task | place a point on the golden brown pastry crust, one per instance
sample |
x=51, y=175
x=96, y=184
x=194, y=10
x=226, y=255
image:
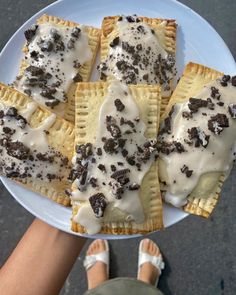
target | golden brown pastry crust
x=84, y=70
x=168, y=40
x=60, y=137
x=89, y=98
x=194, y=78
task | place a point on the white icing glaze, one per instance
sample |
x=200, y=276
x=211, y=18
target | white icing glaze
x=30, y=109
x=146, y=73
x=60, y=64
x=129, y=203
x=87, y=219
x=35, y=139
x=216, y=157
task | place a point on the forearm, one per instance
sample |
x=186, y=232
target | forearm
x=41, y=261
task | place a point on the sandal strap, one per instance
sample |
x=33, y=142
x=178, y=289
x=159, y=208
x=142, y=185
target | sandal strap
x=156, y=261
x=90, y=260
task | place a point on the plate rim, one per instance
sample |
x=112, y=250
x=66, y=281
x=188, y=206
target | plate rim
x=9, y=187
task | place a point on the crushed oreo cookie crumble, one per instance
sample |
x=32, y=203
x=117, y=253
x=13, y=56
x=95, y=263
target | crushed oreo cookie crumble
x=98, y=204
x=49, y=49
x=119, y=105
x=137, y=60
x=232, y=110
x=186, y=171
x=195, y=133
x=18, y=159
x=217, y=123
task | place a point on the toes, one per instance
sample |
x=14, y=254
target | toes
x=145, y=245
x=101, y=245
x=96, y=246
x=92, y=248
x=150, y=247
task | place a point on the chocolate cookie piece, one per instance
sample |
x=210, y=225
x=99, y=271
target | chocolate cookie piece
x=124, y=121
x=55, y=35
x=187, y=115
x=114, y=130
x=44, y=157
x=102, y=168
x=233, y=81
x=121, y=142
x=48, y=92
x=210, y=104
x=83, y=180
x=59, y=46
x=52, y=103
x=76, y=32
x=170, y=147
x=217, y=123
x=35, y=71
x=117, y=189
x=115, y=42
x=179, y=148
x=113, y=168
x=119, y=105
x=224, y=80
x=166, y=126
x=17, y=150
x=120, y=174
x=131, y=160
x=196, y=103
x=8, y=131
x=134, y=186
x=130, y=19
x=110, y=120
x=215, y=93
x=99, y=151
x=11, y=112
x=46, y=46
x=30, y=33
x=199, y=135
x=186, y=171
x=34, y=54
x=21, y=121
x=51, y=176
x=84, y=151
x=124, y=153
x=110, y=146
x=166, y=147
x=98, y=204
x=93, y=182
x=73, y=174
x=78, y=78
x=232, y=110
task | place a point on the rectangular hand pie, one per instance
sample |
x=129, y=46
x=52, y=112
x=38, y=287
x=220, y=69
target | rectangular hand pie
x=36, y=146
x=57, y=54
x=197, y=139
x=116, y=188
x=139, y=50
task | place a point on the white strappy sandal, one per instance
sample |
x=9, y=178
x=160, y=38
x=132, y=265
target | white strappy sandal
x=104, y=257
x=156, y=261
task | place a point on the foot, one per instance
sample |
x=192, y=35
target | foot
x=149, y=273
x=97, y=274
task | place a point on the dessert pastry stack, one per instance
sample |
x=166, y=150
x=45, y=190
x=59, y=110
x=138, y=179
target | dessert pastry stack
x=114, y=149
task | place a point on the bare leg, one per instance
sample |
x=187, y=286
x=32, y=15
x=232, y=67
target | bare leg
x=97, y=274
x=41, y=261
x=149, y=273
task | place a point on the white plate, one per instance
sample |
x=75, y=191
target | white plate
x=196, y=41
